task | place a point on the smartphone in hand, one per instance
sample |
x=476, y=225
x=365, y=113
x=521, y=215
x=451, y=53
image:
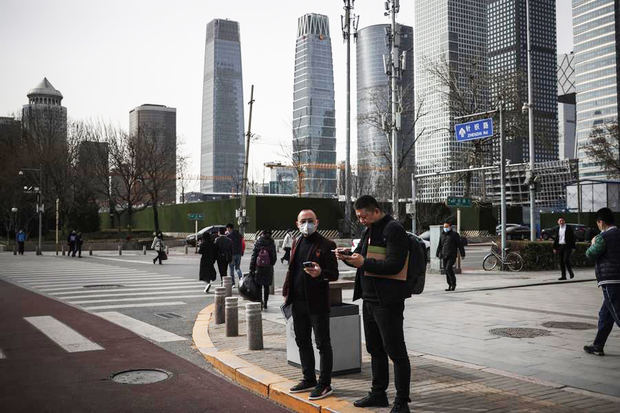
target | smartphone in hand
x=308, y=264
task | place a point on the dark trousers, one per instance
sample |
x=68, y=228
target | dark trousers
x=222, y=267
x=608, y=314
x=383, y=329
x=71, y=249
x=20, y=247
x=160, y=255
x=265, y=293
x=564, y=254
x=304, y=323
x=448, y=266
x=287, y=255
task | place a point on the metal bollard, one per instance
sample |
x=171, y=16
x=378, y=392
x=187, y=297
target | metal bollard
x=186, y=249
x=14, y=250
x=228, y=285
x=120, y=249
x=254, y=322
x=90, y=250
x=232, y=317
x=220, y=295
x=144, y=250
x=63, y=250
x=167, y=251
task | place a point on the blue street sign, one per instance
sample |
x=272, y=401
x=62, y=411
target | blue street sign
x=476, y=129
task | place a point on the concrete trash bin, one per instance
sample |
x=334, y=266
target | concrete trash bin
x=346, y=339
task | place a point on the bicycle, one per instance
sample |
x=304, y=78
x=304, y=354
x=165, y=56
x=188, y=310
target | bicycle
x=512, y=260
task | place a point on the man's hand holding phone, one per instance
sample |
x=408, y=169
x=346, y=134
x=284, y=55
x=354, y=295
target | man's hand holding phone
x=312, y=268
x=346, y=255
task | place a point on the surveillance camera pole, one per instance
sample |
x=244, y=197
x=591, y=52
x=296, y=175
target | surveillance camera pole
x=244, y=182
x=530, y=111
x=394, y=68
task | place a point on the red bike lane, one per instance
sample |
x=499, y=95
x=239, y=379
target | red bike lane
x=37, y=374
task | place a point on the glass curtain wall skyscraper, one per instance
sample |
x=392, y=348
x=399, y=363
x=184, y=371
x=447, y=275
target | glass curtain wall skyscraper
x=597, y=59
x=222, y=145
x=373, y=100
x=450, y=35
x=507, y=51
x=314, y=114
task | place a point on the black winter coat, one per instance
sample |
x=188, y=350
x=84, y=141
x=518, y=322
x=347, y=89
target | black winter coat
x=208, y=252
x=569, y=238
x=264, y=275
x=449, y=244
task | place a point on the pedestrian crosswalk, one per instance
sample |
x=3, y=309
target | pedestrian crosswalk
x=62, y=334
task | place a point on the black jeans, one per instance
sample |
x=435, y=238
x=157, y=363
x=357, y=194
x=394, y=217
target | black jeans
x=304, y=323
x=159, y=256
x=564, y=254
x=20, y=247
x=265, y=294
x=448, y=264
x=383, y=329
x=222, y=266
x=608, y=314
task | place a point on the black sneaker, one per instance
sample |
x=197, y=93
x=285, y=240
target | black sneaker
x=302, y=386
x=372, y=400
x=592, y=349
x=320, y=392
x=400, y=406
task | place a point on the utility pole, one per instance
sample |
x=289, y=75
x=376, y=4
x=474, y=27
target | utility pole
x=241, y=213
x=347, y=21
x=393, y=69
x=502, y=181
x=530, y=111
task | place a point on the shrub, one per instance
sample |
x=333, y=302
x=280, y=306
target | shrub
x=539, y=255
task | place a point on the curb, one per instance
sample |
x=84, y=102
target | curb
x=257, y=379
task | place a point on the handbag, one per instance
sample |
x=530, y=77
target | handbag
x=287, y=310
x=164, y=256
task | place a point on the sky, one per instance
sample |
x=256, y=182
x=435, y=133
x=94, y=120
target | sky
x=107, y=57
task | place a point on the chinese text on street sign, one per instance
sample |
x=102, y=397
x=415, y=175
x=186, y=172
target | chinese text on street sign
x=476, y=129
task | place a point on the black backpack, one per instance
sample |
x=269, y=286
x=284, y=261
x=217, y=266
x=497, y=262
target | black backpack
x=416, y=271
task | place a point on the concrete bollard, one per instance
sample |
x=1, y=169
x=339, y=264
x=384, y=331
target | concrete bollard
x=144, y=250
x=120, y=249
x=232, y=317
x=227, y=281
x=186, y=249
x=220, y=295
x=90, y=250
x=254, y=323
x=167, y=251
x=63, y=250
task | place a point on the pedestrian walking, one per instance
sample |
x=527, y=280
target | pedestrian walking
x=306, y=288
x=287, y=244
x=383, y=300
x=78, y=244
x=605, y=250
x=224, y=254
x=21, y=239
x=238, y=246
x=159, y=247
x=563, y=246
x=261, y=264
x=208, y=254
x=450, y=243
x=72, y=241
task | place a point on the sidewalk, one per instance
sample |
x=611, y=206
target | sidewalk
x=439, y=383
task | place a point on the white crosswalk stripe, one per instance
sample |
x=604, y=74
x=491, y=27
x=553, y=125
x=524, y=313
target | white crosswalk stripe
x=154, y=304
x=141, y=328
x=62, y=334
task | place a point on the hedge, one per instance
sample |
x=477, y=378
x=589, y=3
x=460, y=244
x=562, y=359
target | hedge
x=539, y=255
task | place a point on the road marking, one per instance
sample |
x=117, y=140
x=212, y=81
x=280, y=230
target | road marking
x=137, y=299
x=121, y=294
x=80, y=286
x=131, y=261
x=109, y=307
x=154, y=289
x=62, y=334
x=40, y=284
x=140, y=328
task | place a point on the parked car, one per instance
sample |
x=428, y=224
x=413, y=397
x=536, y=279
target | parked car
x=514, y=231
x=582, y=232
x=213, y=229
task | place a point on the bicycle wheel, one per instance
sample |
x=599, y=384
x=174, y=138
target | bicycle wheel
x=514, y=261
x=489, y=262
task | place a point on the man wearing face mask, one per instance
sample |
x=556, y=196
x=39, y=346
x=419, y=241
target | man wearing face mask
x=449, y=244
x=306, y=288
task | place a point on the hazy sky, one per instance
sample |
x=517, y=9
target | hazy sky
x=107, y=57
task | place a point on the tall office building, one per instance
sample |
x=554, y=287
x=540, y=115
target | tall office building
x=597, y=62
x=373, y=100
x=450, y=34
x=44, y=118
x=158, y=123
x=222, y=146
x=507, y=54
x=566, y=107
x=314, y=114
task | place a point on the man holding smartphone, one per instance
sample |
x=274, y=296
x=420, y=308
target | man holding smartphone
x=377, y=283
x=306, y=289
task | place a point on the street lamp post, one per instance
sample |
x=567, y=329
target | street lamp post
x=530, y=115
x=14, y=211
x=39, y=204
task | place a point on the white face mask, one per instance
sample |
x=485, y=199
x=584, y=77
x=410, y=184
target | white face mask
x=307, y=228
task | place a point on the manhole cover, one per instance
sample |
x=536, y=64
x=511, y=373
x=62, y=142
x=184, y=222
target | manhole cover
x=518, y=332
x=142, y=376
x=569, y=325
x=102, y=286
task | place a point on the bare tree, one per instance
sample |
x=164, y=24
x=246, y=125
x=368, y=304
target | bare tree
x=604, y=147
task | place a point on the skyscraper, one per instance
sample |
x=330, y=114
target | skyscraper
x=44, y=118
x=566, y=106
x=597, y=64
x=222, y=145
x=158, y=124
x=507, y=54
x=373, y=100
x=314, y=114
x=449, y=35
